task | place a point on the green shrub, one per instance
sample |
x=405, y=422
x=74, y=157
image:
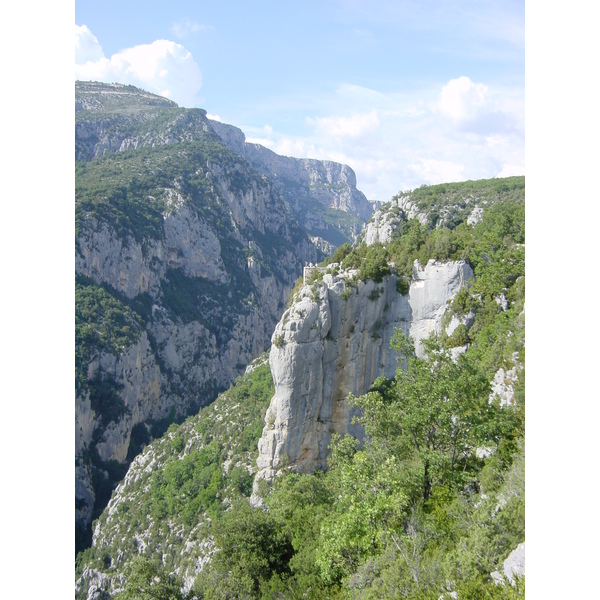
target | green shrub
x=340, y=253
x=103, y=322
x=374, y=295
x=374, y=265
x=402, y=285
x=459, y=337
x=178, y=444
x=241, y=480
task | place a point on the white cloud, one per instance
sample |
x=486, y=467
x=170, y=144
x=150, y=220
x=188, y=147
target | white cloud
x=358, y=98
x=184, y=28
x=263, y=136
x=402, y=139
x=473, y=108
x=163, y=67
x=214, y=118
x=495, y=141
x=461, y=99
x=87, y=47
x=291, y=147
x=438, y=171
x=262, y=141
x=338, y=127
x=511, y=170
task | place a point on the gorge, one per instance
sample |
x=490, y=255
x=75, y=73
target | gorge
x=216, y=384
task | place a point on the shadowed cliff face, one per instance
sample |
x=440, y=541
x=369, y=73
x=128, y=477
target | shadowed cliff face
x=335, y=340
x=185, y=258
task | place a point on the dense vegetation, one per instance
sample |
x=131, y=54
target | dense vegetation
x=128, y=189
x=448, y=204
x=103, y=321
x=493, y=247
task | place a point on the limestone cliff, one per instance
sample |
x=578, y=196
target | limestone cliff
x=332, y=340
x=335, y=340
x=315, y=189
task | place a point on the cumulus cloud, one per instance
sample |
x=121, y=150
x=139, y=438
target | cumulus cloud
x=451, y=131
x=163, y=67
x=293, y=147
x=461, y=99
x=262, y=141
x=263, y=136
x=472, y=108
x=339, y=127
x=511, y=171
x=438, y=171
x=87, y=47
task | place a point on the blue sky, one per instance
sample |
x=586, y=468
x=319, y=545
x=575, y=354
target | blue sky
x=406, y=93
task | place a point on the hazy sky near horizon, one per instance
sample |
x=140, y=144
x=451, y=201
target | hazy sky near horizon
x=405, y=92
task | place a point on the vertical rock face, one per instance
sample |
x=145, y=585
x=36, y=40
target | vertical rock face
x=430, y=289
x=313, y=187
x=136, y=371
x=383, y=223
x=387, y=220
x=335, y=340
x=134, y=267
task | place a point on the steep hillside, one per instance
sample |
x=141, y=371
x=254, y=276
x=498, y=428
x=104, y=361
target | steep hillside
x=185, y=257
x=173, y=489
x=443, y=206
x=424, y=498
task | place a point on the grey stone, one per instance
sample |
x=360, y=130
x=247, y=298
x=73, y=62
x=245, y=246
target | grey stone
x=335, y=340
x=303, y=181
x=513, y=566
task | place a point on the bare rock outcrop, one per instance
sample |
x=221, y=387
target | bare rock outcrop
x=503, y=383
x=134, y=267
x=513, y=566
x=335, y=340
